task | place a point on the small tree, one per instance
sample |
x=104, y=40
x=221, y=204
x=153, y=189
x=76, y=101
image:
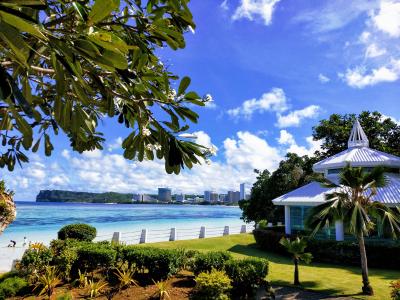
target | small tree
x=296, y=248
x=352, y=202
x=7, y=207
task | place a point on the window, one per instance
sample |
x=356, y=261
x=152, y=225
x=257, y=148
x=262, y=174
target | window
x=298, y=214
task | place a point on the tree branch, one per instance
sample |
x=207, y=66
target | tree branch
x=9, y=64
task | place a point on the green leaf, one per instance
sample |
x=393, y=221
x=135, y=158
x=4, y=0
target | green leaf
x=36, y=146
x=102, y=9
x=48, y=147
x=13, y=39
x=22, y=25
x=80, y=10
x=185, y=82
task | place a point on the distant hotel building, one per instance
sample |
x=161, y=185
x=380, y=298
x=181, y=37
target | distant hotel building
x=210, y=196
x=164, y=195
x=180, y=197
x=242, y=192
x=233, y=196
x=143, y=198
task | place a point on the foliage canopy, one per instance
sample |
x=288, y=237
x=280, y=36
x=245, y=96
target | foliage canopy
x=68, y=65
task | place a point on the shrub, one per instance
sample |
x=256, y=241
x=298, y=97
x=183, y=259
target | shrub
x=160, y=263
x=91, y=256
x=80, y=232
x=65, y=255
x=381, y=254
x=212, y=285
x=12, y=286
x=35, y=258
x=395, y=292
x=205, y=262
x=269, y=240
x=247, y=275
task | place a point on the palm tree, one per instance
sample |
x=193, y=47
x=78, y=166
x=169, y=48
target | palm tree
x=296, y=248
x=7, y=207
x=352, y=202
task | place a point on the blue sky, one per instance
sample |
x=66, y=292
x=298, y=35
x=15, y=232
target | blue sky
x=274, y=68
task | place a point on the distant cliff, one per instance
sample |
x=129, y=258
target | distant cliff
x=69, y=196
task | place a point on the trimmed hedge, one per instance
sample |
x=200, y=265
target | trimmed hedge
x=205, y=262
x=247, y=275
x=91, y=256
x=160, y=263
x=382, y=254
x=80, y=232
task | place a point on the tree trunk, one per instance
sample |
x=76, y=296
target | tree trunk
x=8, y=211
x=367, y=289
x=296, y=272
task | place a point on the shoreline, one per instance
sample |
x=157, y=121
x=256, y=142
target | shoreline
x=136, y=203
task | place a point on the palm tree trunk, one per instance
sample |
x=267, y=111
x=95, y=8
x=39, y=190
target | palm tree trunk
x=296, y=272
x=367, y=289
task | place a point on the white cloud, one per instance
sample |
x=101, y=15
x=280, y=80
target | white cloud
x=275, y=101
x=204, y=139
x=285, y=138
x=364, y=37
x=65, y=153
x=224, y=5
x=117, y=144
x=323, y=78
x=249, y=151
x=373, y=50
x=360, y=78
x=333, y=15
x=36, y=171
x=388, y=17
x=294, y=118
x=249, y=9
x=96, y=153
x=302, y=150
x=59, y=180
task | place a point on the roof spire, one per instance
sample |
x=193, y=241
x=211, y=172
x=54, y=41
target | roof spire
x=357, y=138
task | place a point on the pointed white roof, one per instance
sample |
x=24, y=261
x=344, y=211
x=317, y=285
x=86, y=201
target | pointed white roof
x=357, y=138
x=358, y=154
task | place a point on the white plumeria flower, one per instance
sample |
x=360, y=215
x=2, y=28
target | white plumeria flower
x=212, y=150
x=150, y=147
x=172, y=94
x=146, y=132
x=207, y=98
x=157, y=146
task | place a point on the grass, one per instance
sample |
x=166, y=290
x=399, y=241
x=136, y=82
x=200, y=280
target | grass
x=331, y=279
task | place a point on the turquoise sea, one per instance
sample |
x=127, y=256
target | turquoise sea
x=39, y=222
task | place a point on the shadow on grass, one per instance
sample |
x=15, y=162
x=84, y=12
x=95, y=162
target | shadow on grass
x=311, y=285
x=254, y=251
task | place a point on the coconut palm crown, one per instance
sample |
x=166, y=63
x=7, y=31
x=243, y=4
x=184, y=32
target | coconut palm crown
x=352, y=201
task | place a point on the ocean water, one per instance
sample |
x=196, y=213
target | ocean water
x=40, y=222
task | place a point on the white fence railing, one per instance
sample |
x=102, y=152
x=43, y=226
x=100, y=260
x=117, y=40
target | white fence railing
x=172, y=234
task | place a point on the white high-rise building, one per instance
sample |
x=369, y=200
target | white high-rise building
x=242, y=191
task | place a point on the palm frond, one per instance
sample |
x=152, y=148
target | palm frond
x=389, y=218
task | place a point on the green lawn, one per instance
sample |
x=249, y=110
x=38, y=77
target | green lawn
x=335, y=280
